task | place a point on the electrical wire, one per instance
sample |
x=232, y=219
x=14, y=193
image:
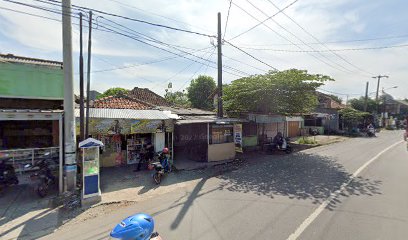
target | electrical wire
x=299, y=39
x=226, y=22
x=257, y=59
x=316, y=39
x=331, y=50
x=105, y=29
x=244, y=63
x=285, y=38
x=135, y=20
x=155, y=14
x=329, y=42
x=262, y=22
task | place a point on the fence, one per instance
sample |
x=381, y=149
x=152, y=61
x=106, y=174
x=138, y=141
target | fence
x=22, y=157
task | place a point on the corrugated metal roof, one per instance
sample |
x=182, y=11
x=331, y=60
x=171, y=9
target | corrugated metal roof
x=125, y=114
x=186, y=111
x=208, y=119
x=19, y=59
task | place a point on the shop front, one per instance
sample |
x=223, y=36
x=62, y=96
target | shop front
x=126, y=134
x=207, y=139
x=30, y=135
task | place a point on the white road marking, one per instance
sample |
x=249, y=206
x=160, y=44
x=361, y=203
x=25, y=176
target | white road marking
x=309, y=220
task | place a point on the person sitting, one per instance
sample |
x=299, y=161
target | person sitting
x=164, y=159
x=278, y=140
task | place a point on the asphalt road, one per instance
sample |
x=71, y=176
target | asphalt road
x=356, y=189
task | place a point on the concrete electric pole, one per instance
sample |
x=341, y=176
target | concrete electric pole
x=378, y=88
x=88, y=75
x=69, y=117
x=81, y=84
x=366, y=98
x=220, y=112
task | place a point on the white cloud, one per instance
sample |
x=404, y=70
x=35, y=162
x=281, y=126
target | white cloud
x=325, y=19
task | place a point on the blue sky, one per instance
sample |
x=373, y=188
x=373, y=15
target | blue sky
x=327, y=20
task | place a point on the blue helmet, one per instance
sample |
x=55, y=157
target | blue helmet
x=136, y=227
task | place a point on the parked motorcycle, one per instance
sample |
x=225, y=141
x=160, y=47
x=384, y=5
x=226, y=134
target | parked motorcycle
x=7, y=174
x=162, y=166
x=43, y=176
x=286, y=147
x=371, y=132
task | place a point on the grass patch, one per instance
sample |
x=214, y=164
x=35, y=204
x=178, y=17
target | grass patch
x=304, y=140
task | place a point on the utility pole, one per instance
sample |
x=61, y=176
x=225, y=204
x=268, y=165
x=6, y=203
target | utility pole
x=88, y=74
x=220, y=112
x=69, y=117
x=81, y=83
x=366, y=98
x=378, y=88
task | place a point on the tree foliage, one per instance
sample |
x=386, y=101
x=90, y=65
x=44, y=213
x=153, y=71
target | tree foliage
x=178, y=98
x=358, y=104
x=353, y=117
x=113, y=92
x=199, y=92
x=283, y=92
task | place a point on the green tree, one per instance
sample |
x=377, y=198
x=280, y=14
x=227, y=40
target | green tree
x=113, y=92
x=178, y=98
x=353, y=117
x=284, y=92
x=199, y=92
x=358, y=104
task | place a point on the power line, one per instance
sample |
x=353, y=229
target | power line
x=261, y=22
x=226, y=22
x=329, y=42
x=299, y=39
x=348, y=94
x=137, y=20
x=297, y=45
x=232, y=45
x=331, y=50
x=136, y=39
x=316, y=39
x=244, y=63
x=155, y=14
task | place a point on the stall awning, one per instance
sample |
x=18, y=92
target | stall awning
x=90, y=142
x=126, y=114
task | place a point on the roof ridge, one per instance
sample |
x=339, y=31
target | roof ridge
x=12, y=56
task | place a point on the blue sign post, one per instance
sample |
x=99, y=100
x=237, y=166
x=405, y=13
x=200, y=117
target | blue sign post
x=90, y=166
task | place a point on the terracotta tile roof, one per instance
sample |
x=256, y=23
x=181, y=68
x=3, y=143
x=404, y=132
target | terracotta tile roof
x=19, y=59
x=120, y=102
x=148, y=96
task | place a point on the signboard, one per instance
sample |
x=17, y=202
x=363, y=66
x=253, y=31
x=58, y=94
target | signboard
x=31, y=81
x=238, y=137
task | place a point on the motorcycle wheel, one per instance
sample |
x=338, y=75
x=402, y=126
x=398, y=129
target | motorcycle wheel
x=42, y=190
x=157, y=178
x=288, y=150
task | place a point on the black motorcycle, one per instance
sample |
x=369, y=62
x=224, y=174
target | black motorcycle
x=43, y=176
x=7, y=174
x=284, y=147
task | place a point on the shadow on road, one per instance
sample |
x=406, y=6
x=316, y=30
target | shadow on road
x=298, y=176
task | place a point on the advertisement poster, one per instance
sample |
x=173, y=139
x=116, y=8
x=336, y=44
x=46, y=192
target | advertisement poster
x=238, y=137
x=145, y=126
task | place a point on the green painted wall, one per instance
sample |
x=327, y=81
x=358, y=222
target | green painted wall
x=31, y=81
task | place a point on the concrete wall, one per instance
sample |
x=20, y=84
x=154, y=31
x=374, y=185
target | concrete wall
x=219, y=152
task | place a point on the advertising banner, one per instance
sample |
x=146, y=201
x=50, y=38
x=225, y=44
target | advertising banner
x=238, y=137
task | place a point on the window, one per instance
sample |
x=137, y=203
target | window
x=221, y=134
